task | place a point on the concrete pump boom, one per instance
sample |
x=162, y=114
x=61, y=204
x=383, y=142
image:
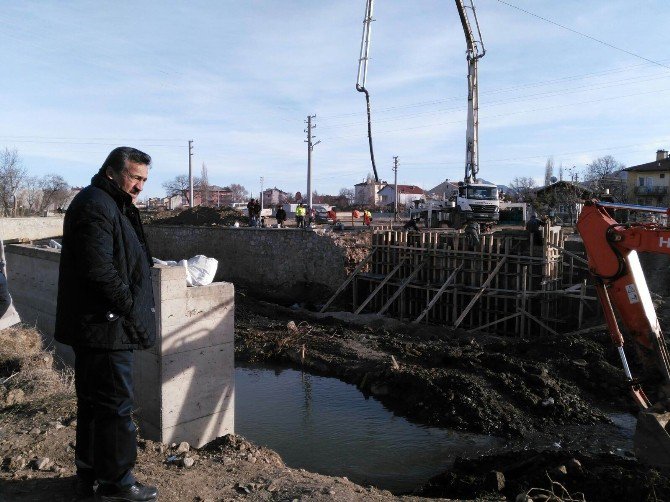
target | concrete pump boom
x=363, y=74
x=475, y=51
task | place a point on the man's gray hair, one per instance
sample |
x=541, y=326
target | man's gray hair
x=117, y=158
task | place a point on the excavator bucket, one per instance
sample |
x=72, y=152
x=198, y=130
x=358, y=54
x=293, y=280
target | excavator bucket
x=651, y=441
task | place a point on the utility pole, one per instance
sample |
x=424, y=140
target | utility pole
x=395, y=188
x=310, y=147
x=261, y=193
x=190, y=172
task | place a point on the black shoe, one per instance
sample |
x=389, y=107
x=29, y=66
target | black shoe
x=83, y=489
x=134, y=493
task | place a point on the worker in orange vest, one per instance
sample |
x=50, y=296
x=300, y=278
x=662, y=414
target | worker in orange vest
x=367, y=217
x=354, y=214
x=332, y=215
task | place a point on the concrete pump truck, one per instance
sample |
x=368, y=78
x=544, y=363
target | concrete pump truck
x=473, y=200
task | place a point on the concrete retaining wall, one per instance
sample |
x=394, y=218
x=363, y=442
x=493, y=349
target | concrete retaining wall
x=33, y=228
x=184, y=386
x=287, y=264
x=32, y=274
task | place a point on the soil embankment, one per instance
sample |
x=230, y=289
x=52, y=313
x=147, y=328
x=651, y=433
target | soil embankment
x=557, y=389
x=554, y=391
x=37, y=434
x=483, y=384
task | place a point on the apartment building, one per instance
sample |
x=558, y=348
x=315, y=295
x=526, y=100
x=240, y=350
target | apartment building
x=648, y=183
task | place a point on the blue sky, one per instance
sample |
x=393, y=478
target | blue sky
x=240, y=78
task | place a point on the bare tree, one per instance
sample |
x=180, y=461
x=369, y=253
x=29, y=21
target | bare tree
x=12, y=175
x=203, y=187
x=55, y=191
x=238, y=192
x=31, y=194
x=523, y=188
x=348, y=194
x=548, y=171
x=180, y=186
x=603, y=174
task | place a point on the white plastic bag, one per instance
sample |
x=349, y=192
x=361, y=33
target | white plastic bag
x=200, y=270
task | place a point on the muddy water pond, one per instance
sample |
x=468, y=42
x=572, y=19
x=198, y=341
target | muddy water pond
x=327, y=426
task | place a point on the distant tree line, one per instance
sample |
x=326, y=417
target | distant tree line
x=599, y=177
x=24, y=195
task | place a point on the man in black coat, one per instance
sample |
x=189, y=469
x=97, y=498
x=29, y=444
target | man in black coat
x=533, y=227
x=106, y=311
x=281, y=216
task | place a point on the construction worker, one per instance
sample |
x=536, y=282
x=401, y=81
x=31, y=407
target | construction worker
x=367, y=217
x=533, y=228
x=281, y=216
x=332, y=215
x=354, y=215
x=411, y=225
x=472, y=232
x=251, y=211
x=300, y=215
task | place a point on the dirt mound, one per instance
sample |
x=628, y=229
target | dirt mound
x=567, y=475
x=28, y=378
x=199, y=216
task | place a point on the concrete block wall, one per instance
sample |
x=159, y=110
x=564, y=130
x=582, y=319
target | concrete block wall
x=184, y=386
x=192, y=365
x=32, y=275
x=286, y=264
x=32, y=228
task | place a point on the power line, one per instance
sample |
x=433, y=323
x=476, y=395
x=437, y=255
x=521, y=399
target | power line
x=92, y=139
x=607, y=44
x=513, y=99
x=506, y=114
x=42, y=142
x=501, y=90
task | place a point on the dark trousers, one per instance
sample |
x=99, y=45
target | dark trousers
x=106, y=447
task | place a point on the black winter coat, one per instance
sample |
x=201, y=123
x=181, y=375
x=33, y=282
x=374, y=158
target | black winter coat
x=105, y=296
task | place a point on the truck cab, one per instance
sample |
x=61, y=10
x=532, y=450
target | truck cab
x=478, y=202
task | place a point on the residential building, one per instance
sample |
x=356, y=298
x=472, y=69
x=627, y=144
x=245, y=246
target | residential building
x=444, y=190
x=214, y=196
x=367, y=192
x=648, y=183
x=563, y=200
x=406, y=194
x=274, y=196
x=161, y=203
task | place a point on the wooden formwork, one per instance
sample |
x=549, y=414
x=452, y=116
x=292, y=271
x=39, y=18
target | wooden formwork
x=503, y=284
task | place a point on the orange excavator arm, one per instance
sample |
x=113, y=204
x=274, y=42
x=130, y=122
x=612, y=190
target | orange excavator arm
x=611, y=248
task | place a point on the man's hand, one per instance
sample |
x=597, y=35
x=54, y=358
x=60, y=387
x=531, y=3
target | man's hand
x=135, y=331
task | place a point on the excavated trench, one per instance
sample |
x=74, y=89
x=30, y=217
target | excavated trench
x=556, y=400
x=324, y=425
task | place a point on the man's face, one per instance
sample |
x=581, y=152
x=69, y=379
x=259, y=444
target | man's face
x=131, y=180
